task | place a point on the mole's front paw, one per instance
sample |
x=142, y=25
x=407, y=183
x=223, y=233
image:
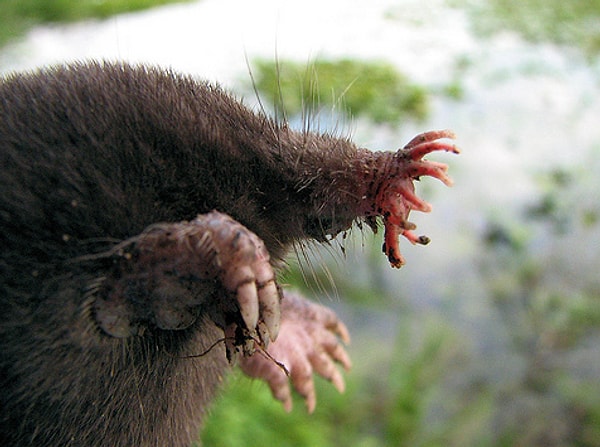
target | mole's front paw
x=245, y=271
x=166, y=274
x=309, y=341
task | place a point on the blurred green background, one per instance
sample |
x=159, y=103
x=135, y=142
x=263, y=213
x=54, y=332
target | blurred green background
x=504, y=348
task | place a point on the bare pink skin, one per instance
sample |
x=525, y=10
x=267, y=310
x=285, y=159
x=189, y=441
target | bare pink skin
x=309, y=342
x=390, y=191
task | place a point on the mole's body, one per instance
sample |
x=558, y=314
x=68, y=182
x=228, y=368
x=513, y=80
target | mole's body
x=114, y=267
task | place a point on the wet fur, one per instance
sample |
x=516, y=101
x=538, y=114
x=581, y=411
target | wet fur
x=91, y=155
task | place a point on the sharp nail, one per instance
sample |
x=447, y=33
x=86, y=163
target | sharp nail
x=248, y=301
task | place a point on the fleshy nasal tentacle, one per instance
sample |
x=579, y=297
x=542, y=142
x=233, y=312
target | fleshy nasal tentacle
x=431, y=169
x=419, y=151
x=391, y=191
x=430, y=136
x=409, y=195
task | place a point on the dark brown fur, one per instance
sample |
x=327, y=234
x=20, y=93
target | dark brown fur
x=92, y=155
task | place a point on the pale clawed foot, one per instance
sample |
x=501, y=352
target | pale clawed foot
x=310, y=341
x=167, y=275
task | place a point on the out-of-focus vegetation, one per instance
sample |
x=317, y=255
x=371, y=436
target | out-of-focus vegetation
x=16, y=16
x=551, y=313
x=573, y=23
x=373, y=89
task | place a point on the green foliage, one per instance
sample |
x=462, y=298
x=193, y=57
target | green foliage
x=16, y=16
x=565, y=202
x=573, y=22
x=246, y=414
x=374, y=89
x=411, y=379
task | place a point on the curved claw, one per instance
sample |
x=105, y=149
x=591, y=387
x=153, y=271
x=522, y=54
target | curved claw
x=246, y=272
x=247, y=297
x=270, y=311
